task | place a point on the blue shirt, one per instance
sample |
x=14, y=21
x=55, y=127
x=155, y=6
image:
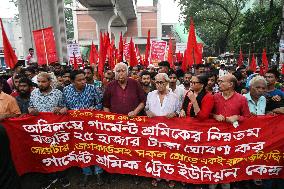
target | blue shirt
x=275, y=92
x=89, y=98
x=256, y=108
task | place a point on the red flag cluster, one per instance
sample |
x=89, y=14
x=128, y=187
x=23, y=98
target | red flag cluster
x=9, y=54
x=193, y=53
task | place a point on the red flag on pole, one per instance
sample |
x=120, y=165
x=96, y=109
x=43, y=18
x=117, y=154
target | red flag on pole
x=120, y=47
x=253, y=64
x=75, y=62
x=184, y=64
x=147, y=50
x=101, y=57
x=9, y=55
x=93, y=58
x=193, y=54
x=170, y=54
x=241, y=58
x=264, y=61
x=282, y=69
x=133, y=59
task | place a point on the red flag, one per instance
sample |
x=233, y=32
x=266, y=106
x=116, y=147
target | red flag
x=133, y=59
x=184, y=64
x=264, y=61
x=120, y=47
x=252, y=66
x=193, y=53
x=282, y=69
x=75, y=65
x=241, y=58
x=138, y=55
x=179, y=57
x=170, y=54
x=147, y=50
x=111, y=53
x=101, y=57
x=93, y=58
x=9, y=55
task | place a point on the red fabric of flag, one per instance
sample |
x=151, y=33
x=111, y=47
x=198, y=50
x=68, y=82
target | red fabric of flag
x=170, y=54
x=252, y=66
x=93, y=58
x=101, y=57
x=264, y=61
x=133, y=59
x=75, y=62
x=9, y=55
x=241, y=58
x=120, y=47
x=147, y=50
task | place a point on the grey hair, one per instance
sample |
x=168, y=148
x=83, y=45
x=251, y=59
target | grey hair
x=120, y=64
x=164, y=75
x=45, y=75
x=256, y=79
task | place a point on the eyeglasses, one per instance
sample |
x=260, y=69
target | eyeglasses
x=160, y=82
x=194, y=82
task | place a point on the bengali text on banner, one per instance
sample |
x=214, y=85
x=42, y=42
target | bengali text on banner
x=180, y=149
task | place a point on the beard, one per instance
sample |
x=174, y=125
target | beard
x=66, y=83
x=43, y=89
x=24, y=93
x=146, y=84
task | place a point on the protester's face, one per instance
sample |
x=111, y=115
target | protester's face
x=107, y=78
x=59, y=80
x=243, y=73
x=224, y=83
x=186, y=79
x=195, y=84
x=66, y=79
x=80, y=81
x=200, y=70
x=135, y=71
x=146, y=80
x=18, y=69
x=161, y=84
x=88, y=74
x=57, y=68
x=28, y=74
x=163, y=69
x=16, y=83
x=173, y=79
x=43, y=83
x=121, y=74
x=211, y=81
x=270, y=78
x=24, y=89
x=258, y=89
x=31, y=52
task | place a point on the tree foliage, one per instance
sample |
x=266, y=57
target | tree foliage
x=228, y=24
x=215, y=20
x=69, y=19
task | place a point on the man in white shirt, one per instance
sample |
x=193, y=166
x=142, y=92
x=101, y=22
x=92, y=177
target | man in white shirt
x=179, y=91
x=162, y=102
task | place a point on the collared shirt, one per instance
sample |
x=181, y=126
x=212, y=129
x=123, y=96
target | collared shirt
x=235, y=105
x=123, y=101
x=8, y=104
x=23, y=104
x=170, y=103
x=180, y=92
x=46, y=102
x=89, y=98
x=256, y=108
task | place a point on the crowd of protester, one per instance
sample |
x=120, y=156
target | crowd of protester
x=205, y=91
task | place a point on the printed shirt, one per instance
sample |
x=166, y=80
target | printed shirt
x=89, y=98
x=256, y=108
x=170, y=103
x=46, y=102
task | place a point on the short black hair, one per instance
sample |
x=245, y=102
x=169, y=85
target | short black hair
x=165, y=63
x=200, y=66
x=31, y=69
x=172, y=72
x=26, y=80
x=89, y=68
x=145, y=73
x=275, y=72
x=74, y=73
x=203, y=79
x=31, y=49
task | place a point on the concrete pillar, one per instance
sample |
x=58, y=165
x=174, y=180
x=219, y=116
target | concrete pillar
x=38, y=14
x=102, y=18
x=116, y=31
x=159, y=25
